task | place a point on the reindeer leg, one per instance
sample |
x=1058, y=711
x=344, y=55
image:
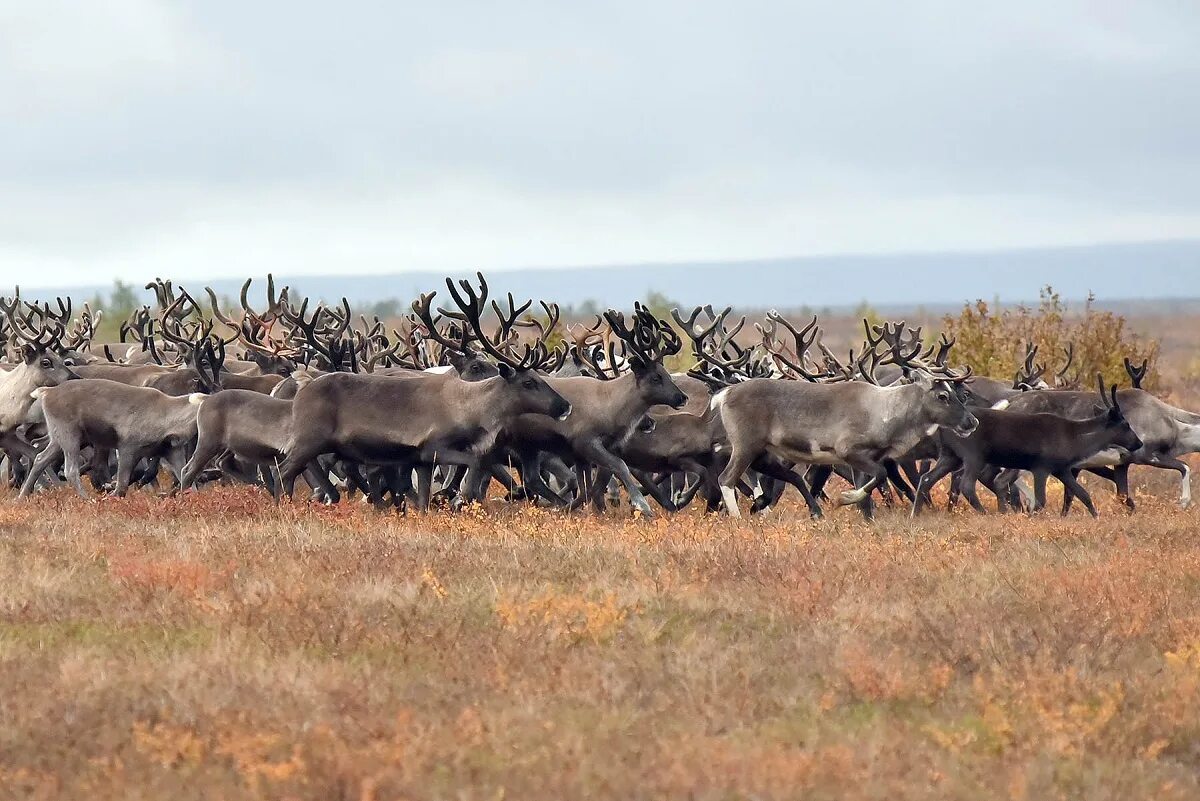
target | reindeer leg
x=897, y=480
x=703, y=480
x=783, y=474
x=293, y=464
x=731, y=476
x=875, y=473
x=320, y=488
x=955, y=490
x=1039, y=490
x=206, y=450
x=591, y=487
x=970, y=481
x=989, y=476
x=127, y=459
x=818, y=476
x=424, y=473
x=1072, y=485
x=47, y=456
x=652, y=488
x=176, y=460
x=1185, y=475
x=912, y=473
x=946, y=464
x=596, y=453
x=535, y=485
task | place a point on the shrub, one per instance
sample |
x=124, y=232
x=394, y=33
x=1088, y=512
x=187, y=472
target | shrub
x=992, y=340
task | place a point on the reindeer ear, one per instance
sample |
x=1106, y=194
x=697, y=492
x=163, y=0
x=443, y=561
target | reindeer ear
x=636, y=364
x=29, y=353
x=506, y=372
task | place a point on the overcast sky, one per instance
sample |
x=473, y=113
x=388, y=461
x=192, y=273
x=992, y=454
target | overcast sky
x=218, y=138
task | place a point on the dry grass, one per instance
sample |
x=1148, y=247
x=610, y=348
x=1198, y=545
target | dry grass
x=215, y=646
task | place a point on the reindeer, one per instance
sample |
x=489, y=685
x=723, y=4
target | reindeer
x=250, y=427
x=1044, y=444
x=605, y=409
x=389, y=419
x=137, y=422
x=1166, y=433
x=39, y=365
x=853, y=423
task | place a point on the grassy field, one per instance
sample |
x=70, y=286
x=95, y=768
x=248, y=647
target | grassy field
x=215, y=646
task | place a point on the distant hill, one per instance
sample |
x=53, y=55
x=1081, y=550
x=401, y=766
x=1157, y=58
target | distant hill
x=1157, y=270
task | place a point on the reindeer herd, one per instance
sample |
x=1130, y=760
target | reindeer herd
x=457, y=395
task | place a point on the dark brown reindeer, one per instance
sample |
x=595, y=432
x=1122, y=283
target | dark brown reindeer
x=1166, y=432
x=247, y=427
x=1044, y=444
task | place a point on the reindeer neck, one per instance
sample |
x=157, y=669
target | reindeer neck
x=1090, y=434
x=620, y=398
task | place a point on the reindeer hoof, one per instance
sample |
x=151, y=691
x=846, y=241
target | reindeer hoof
x=852, y=496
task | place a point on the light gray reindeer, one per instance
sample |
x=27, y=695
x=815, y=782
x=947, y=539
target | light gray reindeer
x=853, y=423
x=137, y=422
x=38, y=365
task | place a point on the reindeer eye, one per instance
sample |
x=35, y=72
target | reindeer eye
x=529, y=383
x=944, y=397
x=47, y=363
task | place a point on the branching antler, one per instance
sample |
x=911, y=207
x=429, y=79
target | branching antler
x=803, y=339
x=1137, y=374
x=1060, y=378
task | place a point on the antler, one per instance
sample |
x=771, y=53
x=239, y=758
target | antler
x=471, y=305
x=582, y=336
x=421, y=307
x=1137, y=374
x=717, y=356
x=903, y=353
x=803, y=338
x=49, y=335
x=1060, y=378
x=1109, y=398
x=385, y=356
x=332, y=349
x=553, y=313
x=943, y=347
x=650, y=339
x=1030, y=373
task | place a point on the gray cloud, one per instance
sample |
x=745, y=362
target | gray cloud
x=210, y=138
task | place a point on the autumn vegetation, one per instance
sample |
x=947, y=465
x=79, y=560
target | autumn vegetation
x=993, y=338
x=215, y=645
